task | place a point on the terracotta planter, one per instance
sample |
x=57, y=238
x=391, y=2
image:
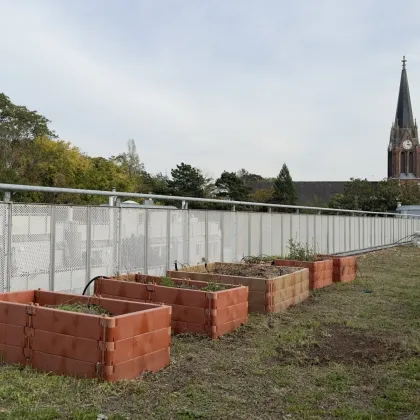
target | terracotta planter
x=344, y=268
x=193, y=311
x=320, y=272
x=135, y=339
x=265, y=295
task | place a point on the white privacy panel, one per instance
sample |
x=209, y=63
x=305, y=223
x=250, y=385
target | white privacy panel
x=277, y=233
x=256, y=239
x=214, y=248
x=178, y=247
x=157, y=242
x=197, y=246
x=242, y=235
x=229, y=236
x=266, y=246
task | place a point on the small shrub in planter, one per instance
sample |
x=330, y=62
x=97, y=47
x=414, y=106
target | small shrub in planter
x=83, y=336
x=197, y=307
x=320, y=267
x=271, y=289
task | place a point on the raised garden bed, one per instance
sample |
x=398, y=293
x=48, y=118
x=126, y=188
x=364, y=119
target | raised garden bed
x=197, y=307
x=271, y=289
x=59, y=332
x=344, y=268
x=320, y=271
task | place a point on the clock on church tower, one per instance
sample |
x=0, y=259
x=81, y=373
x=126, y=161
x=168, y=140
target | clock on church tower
x=403, y=148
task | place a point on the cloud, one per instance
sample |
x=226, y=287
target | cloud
x=220, y=85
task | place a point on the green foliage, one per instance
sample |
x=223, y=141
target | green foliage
x=300, y=252
x=187, y=181
x=232, y=187
x=81, y=308
x=214, y=287
x=383, y=196
x=166, y=281
x=284, y=191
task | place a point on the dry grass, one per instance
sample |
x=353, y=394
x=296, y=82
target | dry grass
x=351, y=351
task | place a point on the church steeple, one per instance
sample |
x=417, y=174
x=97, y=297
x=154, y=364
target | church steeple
x=404, y=147
x=404, y=114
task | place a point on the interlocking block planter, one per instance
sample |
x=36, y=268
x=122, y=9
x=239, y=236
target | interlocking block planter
x=265, y=295
x=344, y=268
x=193, y=310
x=320, y=272
x=136, y=338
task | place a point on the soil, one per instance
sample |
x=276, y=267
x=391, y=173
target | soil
x=85, y=309
x=346, y=346
x=252, y=270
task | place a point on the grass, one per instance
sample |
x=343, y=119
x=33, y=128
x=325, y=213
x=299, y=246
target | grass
x=82, y=308
x=351, y=351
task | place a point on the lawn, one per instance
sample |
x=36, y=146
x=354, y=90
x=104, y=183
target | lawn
x=351, y=351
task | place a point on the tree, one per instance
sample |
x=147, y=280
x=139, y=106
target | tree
x=18, y=128
x=187, y=181
x=230, y=186
x=284, y=191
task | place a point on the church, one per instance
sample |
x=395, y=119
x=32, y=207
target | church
x=404, y=148
x=403, y=154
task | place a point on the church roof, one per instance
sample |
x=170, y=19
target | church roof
x=404, y=114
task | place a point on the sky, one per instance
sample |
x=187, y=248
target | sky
x=222, y=84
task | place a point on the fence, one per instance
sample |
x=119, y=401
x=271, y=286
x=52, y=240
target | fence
x=62, y=247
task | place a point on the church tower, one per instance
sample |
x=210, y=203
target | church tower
x=404, y=148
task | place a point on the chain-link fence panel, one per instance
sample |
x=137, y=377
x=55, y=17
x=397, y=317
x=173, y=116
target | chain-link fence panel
x=255, y=247
x=266, y=225
x=104, y=223
x=242, y=235
x=71, y=237
x=30, y=248
x=3, y=246
x=132, y=241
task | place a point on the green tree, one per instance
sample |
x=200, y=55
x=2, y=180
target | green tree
x=18, y=128
x=187, y=181
x=230, y=186
x=284, y=191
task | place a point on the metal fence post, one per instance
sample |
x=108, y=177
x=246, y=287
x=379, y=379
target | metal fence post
x=9, y=248
x=168, y=240
x=222, y=236
x=249, y=233
x=146, y=241
x=88, y=242
x=119, y=240
x=53, y=219
x=206, y=235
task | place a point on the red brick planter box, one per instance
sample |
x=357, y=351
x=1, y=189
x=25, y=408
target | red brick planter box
x=135, y=339
x=265, y=295
x=320, y=272
x=193, y=311
x=344, y=268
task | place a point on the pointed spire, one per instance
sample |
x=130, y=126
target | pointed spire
x=404, y=114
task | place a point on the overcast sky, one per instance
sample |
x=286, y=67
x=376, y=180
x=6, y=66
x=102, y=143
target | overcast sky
x=221, y=84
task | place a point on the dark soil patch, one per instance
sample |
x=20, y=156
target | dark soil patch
x=252, y=270
x=78, y=307
x=346, y=346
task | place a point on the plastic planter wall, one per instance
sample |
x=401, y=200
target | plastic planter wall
x=135, y=339
x=265, y=295
x=193, y=311
x=320, y=272
x=344, y=268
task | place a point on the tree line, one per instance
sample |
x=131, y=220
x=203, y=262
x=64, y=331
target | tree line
x=31, y=153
